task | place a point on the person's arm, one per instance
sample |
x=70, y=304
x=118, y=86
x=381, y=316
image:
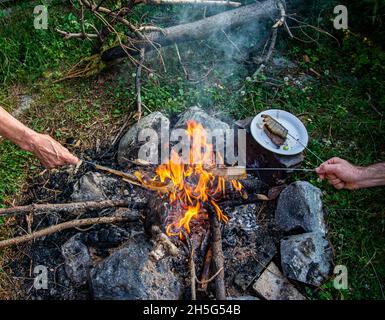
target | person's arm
x=344, y=175
x=51, y=153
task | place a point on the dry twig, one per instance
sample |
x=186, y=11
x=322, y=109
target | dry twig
x=138, y=84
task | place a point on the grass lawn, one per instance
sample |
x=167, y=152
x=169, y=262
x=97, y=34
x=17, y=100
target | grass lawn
x=343, y=110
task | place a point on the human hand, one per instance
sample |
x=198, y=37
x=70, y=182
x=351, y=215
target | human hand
x=50, y=152
x=341, y=174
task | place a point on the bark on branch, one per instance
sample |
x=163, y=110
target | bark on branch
x=80, y=35
x=218, y=259
x=71, y=208
x=67, y=225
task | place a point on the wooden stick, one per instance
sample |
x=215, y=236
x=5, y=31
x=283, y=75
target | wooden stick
x=205, y=282
x=206, y=270
x=218, y=259
x=193, y=276
x=109, y=13
x=71, y=208
x=70, y=35
x=138, y=84
x=66, y=225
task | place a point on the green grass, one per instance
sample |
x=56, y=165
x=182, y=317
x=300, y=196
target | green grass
x=26, y=53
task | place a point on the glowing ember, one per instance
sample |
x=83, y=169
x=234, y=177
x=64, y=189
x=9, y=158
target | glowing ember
x=193, y=184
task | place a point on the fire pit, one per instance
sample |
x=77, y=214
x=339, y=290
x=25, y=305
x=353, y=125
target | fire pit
x=192, y=227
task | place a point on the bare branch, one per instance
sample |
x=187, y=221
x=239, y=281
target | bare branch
x=70, y=208
x=66, y=225
x=138, y=84
x=69, y=35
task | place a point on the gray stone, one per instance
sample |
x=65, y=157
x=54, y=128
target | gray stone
x=272, y=285
x=129, y=144
x=197, y=114
x=77, y=260
x=90, y=187
x=26, y=101
x=307, y=258
x=130, y=274
x=244, y=123
x=289, y=161
x=283, y=63
x=300, y=208
x=246, y=245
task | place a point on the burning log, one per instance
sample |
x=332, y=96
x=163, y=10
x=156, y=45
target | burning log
x=70, y=208
x=200, y=29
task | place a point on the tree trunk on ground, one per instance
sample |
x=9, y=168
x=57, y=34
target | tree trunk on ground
x=201, y=29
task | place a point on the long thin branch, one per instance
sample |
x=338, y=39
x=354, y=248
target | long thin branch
x=280, y=22
x=138, y=84
x=218, y=259
x=71, y=208
x=109, y=13
x=83, y=28
x=193, y=276
x=64, y=226
x=206, y=269
x=70, y=35
x=205, y=282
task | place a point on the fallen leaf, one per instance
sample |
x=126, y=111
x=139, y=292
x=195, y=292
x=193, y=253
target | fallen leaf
x=306, y=58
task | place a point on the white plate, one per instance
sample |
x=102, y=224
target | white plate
x=296, y=140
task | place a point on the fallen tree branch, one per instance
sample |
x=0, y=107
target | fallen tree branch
x=70, y=208
x=201, y=29
x=67, y=225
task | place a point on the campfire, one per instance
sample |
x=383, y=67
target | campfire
x=194, y=186
x=211, y=229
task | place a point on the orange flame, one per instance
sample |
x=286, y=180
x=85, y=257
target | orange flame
x=192, y=184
